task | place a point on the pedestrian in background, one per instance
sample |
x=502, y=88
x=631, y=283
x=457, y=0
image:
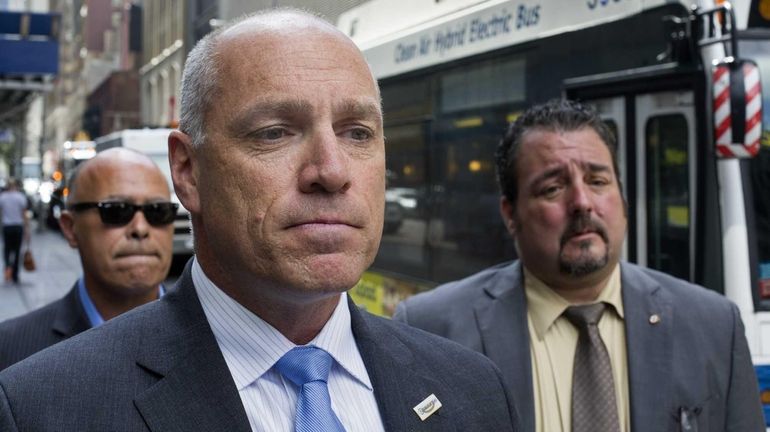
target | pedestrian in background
x=587, y=342
x=13, y=213
x=119, y=218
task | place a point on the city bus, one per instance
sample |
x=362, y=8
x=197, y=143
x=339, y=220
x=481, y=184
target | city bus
x=667, y=76
x=154, y=143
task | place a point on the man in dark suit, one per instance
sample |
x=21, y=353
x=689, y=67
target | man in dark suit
x=678, y=356
x=280, y=160
x=124, y=261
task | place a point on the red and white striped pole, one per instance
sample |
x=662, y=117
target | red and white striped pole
x=723, y=113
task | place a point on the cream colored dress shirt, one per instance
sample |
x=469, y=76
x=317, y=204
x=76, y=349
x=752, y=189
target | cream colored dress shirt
x=553, y=340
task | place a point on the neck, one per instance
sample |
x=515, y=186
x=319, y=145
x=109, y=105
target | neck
x=110, y=305
x=299, y=320
x=301, y=324
x=580, y=295
x=299, y=313
x=578, y=290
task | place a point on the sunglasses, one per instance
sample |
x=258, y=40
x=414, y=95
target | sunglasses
x=119, y=213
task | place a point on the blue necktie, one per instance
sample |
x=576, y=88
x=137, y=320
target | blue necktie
x=308, y=367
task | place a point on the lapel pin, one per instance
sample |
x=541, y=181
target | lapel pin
x=427, y=407
x=654, y=319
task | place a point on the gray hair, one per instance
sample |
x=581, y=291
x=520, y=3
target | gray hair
x=199, y=84
x=200, y=78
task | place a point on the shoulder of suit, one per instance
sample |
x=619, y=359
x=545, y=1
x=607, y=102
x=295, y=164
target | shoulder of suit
x=425, y=344
x=93, y=347
x=38, y=318
x=462, y=291
x=682, y=292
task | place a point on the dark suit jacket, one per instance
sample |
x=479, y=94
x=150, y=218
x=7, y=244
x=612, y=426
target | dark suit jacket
x=695, y=357
x=159, y=368
x=23, y=336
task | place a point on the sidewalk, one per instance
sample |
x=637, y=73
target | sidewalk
x=58, y=266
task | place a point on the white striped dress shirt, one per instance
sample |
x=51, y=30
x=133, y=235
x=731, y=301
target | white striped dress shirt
x=251, y=347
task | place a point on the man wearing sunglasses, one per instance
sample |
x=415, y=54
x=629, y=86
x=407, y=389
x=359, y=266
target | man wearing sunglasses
x=119, y=218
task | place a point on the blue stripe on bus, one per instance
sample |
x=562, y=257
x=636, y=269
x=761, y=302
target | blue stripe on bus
x=763, y=376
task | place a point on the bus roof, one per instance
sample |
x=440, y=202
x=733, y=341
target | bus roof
x=427, y=32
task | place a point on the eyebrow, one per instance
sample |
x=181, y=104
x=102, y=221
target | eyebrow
x=291, y=108
x=122, y=197
x=590, y=167
x=364, y=109
x=284, y=108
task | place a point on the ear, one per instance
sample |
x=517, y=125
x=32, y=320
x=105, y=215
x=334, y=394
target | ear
x=67, y=223
x=508, y=213
x=184, y=170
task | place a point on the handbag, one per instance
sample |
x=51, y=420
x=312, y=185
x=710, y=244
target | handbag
x=29, y=261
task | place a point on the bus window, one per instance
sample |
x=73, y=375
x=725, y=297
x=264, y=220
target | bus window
x=488, y=83
x=467, y=233
x=668, y=195
x=404, y=232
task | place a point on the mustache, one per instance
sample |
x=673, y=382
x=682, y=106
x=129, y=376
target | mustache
x=582, y=223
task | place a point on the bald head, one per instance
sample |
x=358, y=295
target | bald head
x=106, y=162
x=207, y=62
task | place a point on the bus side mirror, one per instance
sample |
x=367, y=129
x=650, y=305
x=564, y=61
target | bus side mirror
x=737, y=108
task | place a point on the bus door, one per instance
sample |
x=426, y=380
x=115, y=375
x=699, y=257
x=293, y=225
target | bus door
x=656, y=143
x=665, y=181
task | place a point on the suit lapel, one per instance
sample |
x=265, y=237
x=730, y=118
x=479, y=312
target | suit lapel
x=649, y=343
x=398, y=384
x=70, y=317
x=195, y=390
x=502, y=323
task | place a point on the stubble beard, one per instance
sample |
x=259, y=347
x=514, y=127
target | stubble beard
x=585, y=263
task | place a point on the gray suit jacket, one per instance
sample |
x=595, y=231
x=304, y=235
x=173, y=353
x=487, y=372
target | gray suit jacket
x=695, y=357
x=159, y=368
x=23, y=336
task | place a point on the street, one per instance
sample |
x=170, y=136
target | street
x=58, y=266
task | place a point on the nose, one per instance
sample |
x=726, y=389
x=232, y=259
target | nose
x=580, y=198
x=138, y=228
x=326, y=166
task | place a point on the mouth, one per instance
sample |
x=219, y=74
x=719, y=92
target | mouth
x=136, y=255
x=583, y=228
x=322, y=223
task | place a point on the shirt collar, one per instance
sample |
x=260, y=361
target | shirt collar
x=545, y=306
x=245, y=338
x=94, y=317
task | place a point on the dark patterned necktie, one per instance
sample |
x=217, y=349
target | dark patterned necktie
x=593, y=390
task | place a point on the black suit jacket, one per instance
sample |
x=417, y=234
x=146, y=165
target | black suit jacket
x=159, y=368
x=25, y=335
x=693, y=356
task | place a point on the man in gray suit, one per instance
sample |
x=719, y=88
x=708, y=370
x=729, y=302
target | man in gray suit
x=124, y=260
x=675, y=355
x=280, y=160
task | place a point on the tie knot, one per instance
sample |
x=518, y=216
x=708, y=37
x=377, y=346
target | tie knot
x=304, y=364
x=584, y=315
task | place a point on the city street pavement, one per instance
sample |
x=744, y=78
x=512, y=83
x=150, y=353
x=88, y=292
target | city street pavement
x=58, y=267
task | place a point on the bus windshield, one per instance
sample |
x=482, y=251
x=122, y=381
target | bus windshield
x=758, y=50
